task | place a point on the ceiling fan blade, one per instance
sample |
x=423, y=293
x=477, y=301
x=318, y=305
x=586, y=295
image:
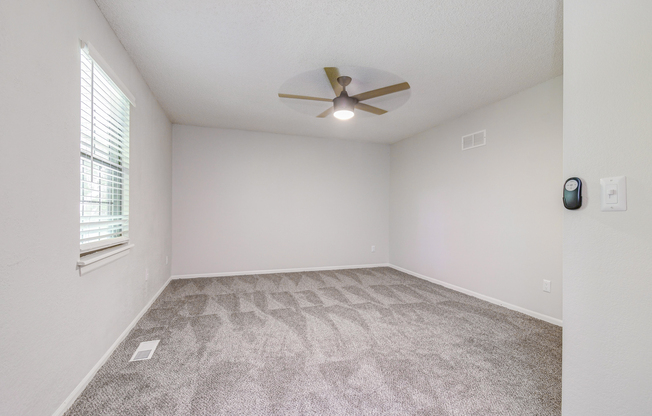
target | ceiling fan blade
x=333, y=73
x=326, y=113
x=304, y=97
x=382, y=91
x=370, y=109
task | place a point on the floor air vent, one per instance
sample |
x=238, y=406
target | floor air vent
x=145, y=350
x=474, y=140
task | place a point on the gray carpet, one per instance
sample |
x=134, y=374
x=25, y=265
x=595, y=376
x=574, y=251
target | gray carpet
x=344, y=342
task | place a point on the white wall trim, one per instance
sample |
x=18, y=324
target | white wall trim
x=533, y=314
x=82, y=385
x=95, y=261
x=300, y=269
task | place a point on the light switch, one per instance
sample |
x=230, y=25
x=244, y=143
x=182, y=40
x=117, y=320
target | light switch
x=614, y=193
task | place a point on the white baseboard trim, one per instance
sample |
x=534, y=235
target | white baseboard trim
x=533, y=314
x=300, y=269
x=82, y=385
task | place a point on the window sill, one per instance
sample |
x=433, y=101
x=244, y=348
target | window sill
x=93, y=261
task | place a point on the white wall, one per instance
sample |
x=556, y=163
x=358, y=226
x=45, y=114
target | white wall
x=488, y=219
x=55, y=324
x=608, y=255
x=245, y=201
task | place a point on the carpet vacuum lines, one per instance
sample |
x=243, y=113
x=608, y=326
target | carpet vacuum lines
x=371, y=341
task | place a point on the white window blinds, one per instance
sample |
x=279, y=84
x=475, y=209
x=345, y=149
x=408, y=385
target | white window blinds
x=104, y=159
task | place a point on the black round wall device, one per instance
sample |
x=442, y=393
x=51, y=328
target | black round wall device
x=572, y=193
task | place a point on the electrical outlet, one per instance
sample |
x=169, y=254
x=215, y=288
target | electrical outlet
x=146, y=274
x=373, y=249
x=167, y=260
x=546, y=286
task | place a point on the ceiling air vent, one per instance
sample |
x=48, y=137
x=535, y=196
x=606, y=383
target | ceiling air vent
x=474, y=140
x=145, y=350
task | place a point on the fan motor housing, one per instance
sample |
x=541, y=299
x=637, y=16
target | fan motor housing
x=344, y=102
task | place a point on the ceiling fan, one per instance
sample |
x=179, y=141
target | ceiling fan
x=343, y=105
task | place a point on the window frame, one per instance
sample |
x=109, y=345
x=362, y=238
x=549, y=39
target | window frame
x=116, y=159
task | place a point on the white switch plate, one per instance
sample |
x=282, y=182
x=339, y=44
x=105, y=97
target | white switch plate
x=373, y=249
x=614, y=193
x=546, y=286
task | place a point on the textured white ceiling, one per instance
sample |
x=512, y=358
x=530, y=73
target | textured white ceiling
x=222, y=63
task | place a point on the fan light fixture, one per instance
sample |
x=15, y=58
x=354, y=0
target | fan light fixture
x=344, y=105
x=344, y=114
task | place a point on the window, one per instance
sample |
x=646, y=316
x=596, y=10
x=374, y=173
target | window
x=104, y=159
